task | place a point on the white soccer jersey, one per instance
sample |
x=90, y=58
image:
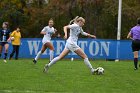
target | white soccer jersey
x=75, y=30
x=49, y=32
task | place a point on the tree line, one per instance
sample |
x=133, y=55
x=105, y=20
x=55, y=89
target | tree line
x=101, y=15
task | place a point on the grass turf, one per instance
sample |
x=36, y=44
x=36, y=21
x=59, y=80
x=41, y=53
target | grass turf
x=22, y=76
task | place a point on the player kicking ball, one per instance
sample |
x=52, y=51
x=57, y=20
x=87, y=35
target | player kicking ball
x=47, y=31
x=71, y=44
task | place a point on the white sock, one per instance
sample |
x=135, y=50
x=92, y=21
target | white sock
x=86, y=61
x=54, y=61
x=51, y=55
x=38, y=55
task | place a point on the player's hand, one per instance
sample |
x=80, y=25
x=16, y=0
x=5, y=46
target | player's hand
x=55, y=30
x=92, y=36
x=65, y=37
x=43, y=33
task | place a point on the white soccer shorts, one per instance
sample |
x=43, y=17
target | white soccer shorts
x=71, y=47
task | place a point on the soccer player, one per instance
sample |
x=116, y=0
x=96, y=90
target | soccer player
x=16, y=35
x=71, y=44
x=134, y=34
x=47, y=31
x=4, y=38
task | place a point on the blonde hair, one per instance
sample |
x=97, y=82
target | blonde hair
x=77, y=19
x=80, y=19
x=74, y=20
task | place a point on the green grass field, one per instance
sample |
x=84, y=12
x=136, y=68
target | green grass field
x=23, y=76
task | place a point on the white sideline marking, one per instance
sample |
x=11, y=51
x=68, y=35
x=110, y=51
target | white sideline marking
x=28, y=91
x=19, y=91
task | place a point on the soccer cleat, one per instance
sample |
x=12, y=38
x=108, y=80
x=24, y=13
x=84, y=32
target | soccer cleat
x=4, y=61
x=34, y=61
x=46, y=68
x=94, y=71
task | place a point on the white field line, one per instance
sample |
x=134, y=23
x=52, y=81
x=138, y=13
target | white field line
x=17, y=91
x=27, y=91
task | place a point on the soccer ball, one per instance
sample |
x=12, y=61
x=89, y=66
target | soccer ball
x=100, y=70
x=12, y=38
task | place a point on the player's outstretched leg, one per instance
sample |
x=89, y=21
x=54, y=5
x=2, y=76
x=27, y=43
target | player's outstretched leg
x=86, y=61
x=47, y=66
x=51, y=63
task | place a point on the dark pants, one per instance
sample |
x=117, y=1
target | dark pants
x=135, y=45
x=2, y=44
x=15, y=49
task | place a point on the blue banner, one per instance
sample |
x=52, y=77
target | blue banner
x=94, y=48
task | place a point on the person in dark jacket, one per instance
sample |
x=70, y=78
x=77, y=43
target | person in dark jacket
x=4, y=38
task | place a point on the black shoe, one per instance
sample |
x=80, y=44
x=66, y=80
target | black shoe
x=16, y=58
x=46, y=68
x=34, y=61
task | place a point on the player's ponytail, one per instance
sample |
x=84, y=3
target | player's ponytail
x=74, y=20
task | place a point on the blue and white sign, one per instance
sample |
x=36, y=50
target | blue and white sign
x=94, y=48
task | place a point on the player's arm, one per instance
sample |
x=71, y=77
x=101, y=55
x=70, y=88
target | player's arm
x=86, y=34
x=92, y=36
x=43, y=32
x=54, y=31
x=20, y=35
x=129, y=35
x=65, y=31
